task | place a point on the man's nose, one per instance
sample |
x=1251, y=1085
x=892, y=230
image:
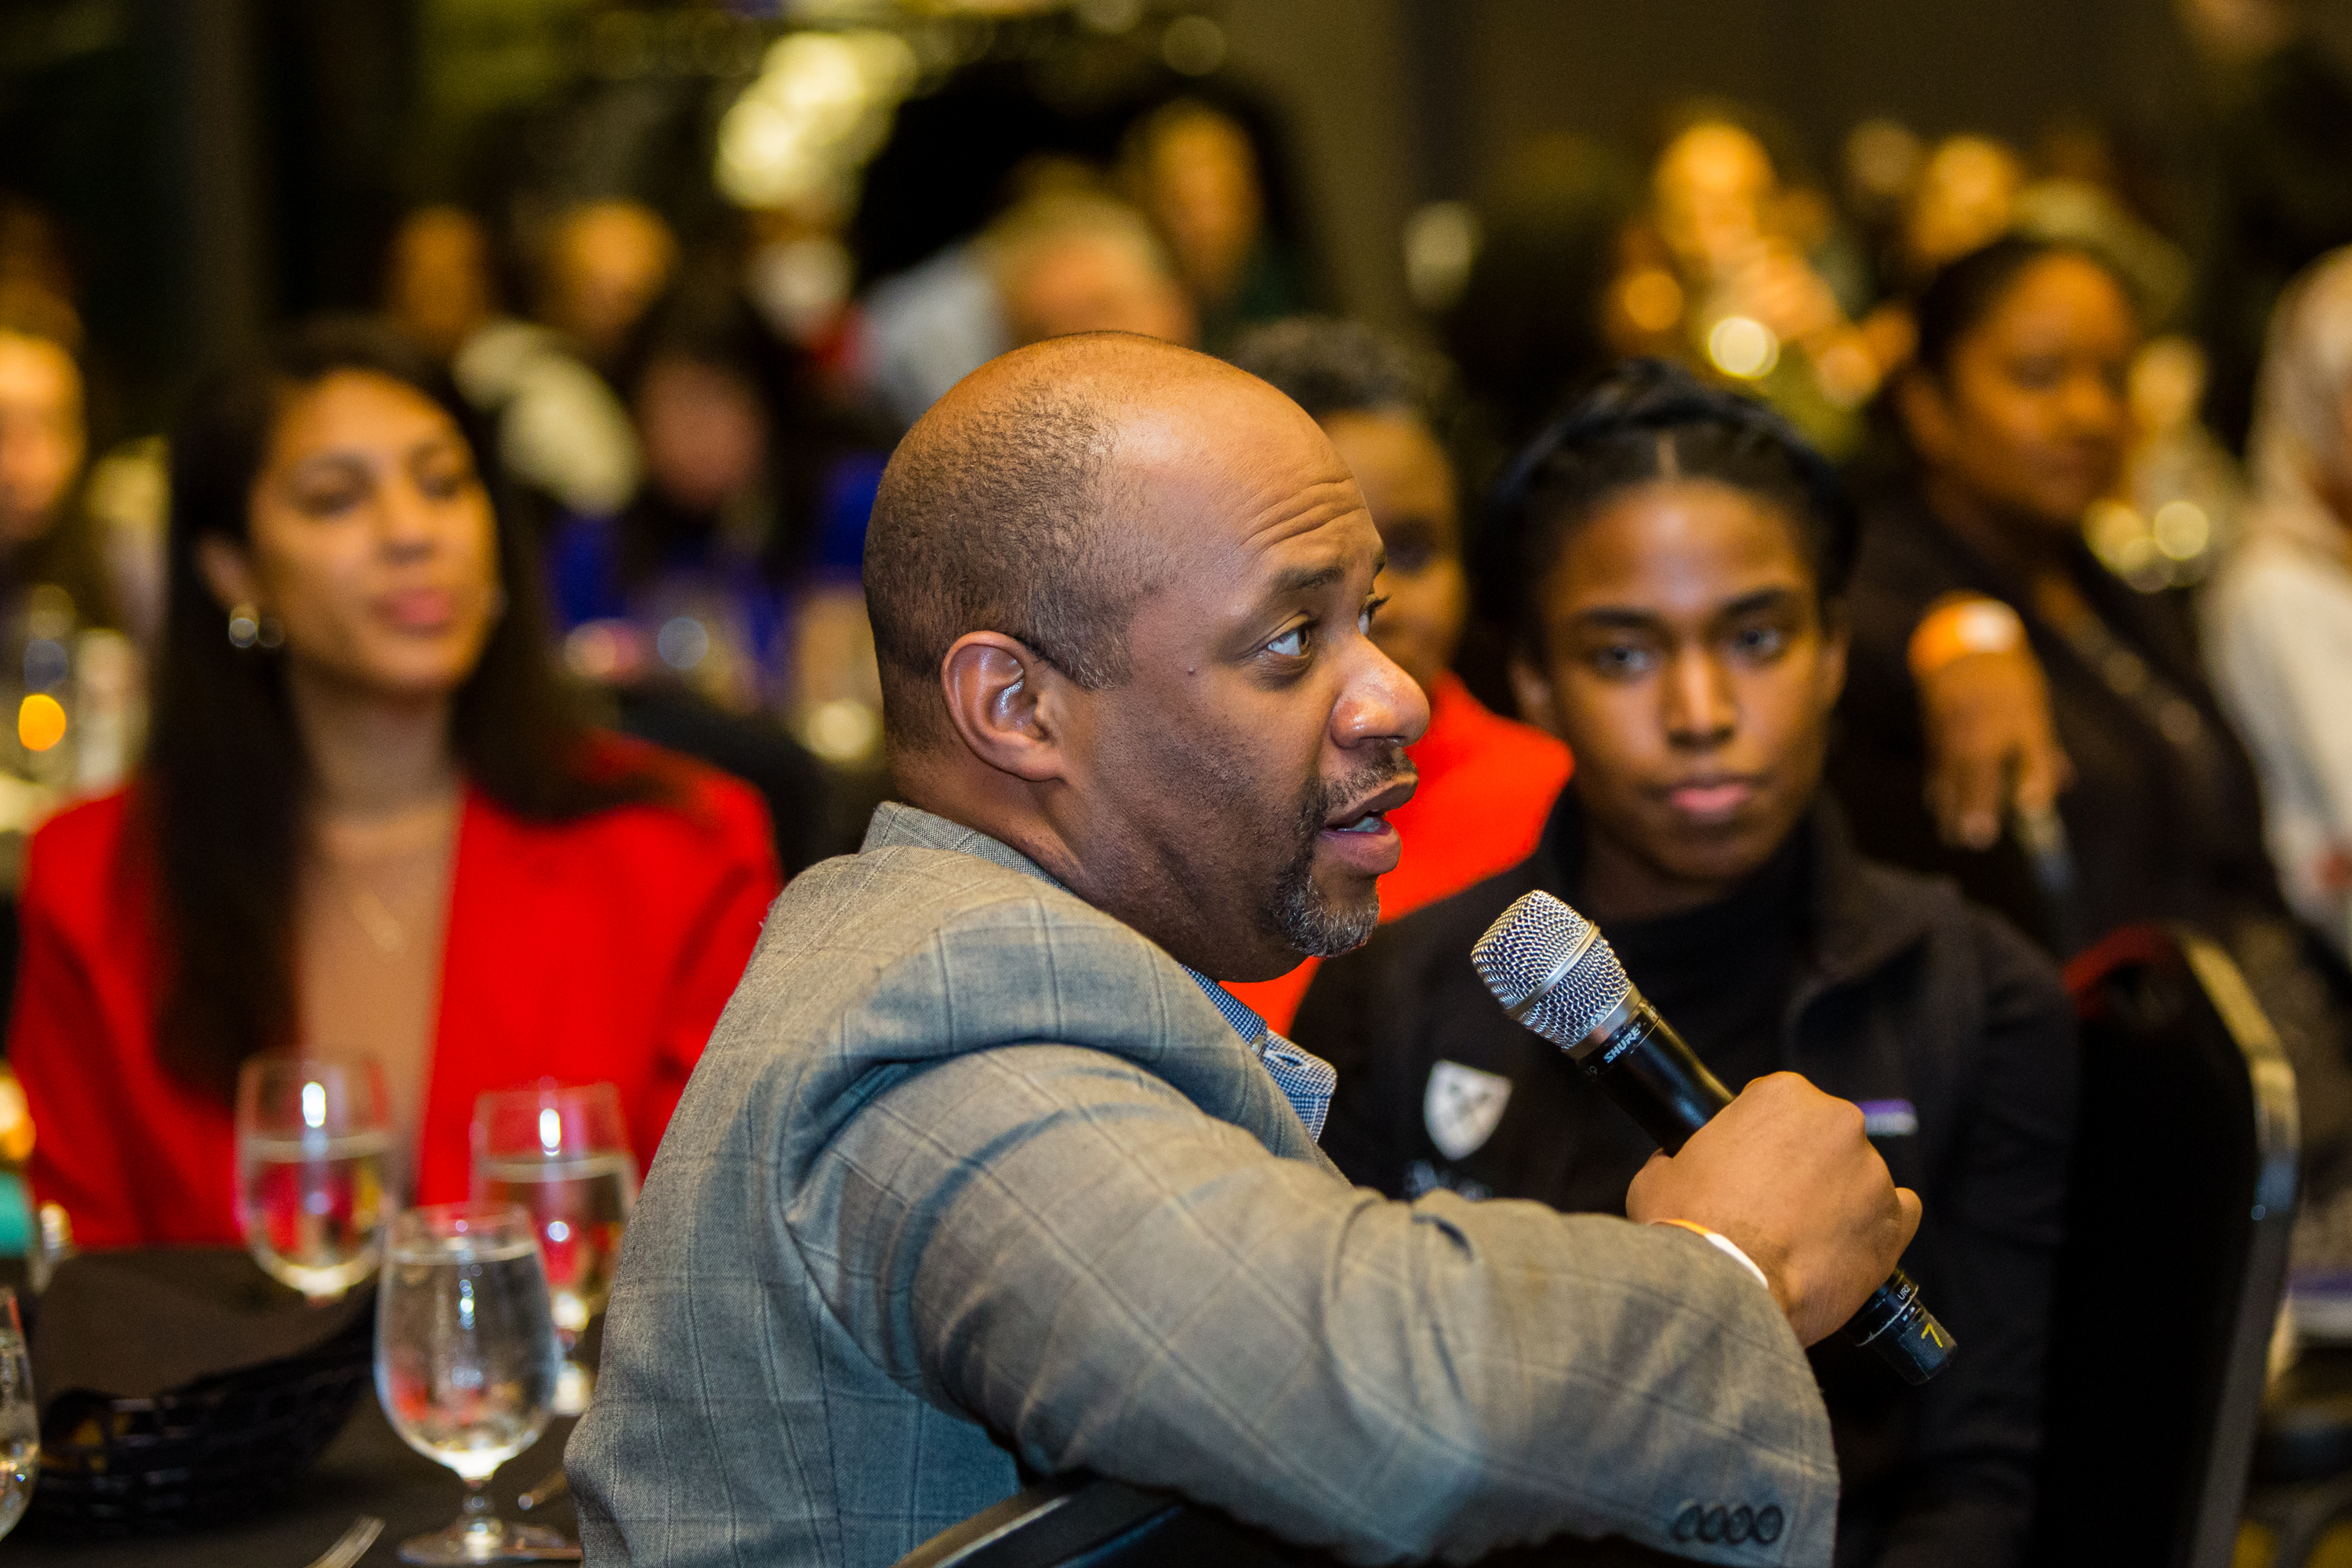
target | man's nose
x=1380, y=702
x=1699, y=708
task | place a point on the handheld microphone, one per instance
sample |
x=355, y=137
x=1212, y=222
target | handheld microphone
x=1550, y=969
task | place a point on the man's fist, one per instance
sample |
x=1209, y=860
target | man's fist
x=1785, y=1172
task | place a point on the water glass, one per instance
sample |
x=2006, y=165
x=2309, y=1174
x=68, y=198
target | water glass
x=466, y=1361
x=563, y=1155
x=20, y=1422
x=313, y=1169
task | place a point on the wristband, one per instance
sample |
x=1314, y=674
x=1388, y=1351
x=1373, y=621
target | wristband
x=1724, y=1245
x=1960, y=627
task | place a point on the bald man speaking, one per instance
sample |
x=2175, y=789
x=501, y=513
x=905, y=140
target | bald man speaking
x=982, y=1164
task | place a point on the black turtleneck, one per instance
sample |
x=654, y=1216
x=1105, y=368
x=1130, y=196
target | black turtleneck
x=1722, y=973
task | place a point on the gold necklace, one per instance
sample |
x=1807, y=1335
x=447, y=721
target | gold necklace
x=387, y=931
x=383, y=927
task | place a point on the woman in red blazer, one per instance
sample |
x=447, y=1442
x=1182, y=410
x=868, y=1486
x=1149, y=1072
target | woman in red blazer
x=370, y=821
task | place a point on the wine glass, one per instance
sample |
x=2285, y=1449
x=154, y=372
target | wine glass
x=20, y=1422
x=466, y=1361
x=563, y=1155
x=313, y=1154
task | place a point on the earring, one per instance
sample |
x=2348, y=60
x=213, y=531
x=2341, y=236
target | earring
x=249, y=627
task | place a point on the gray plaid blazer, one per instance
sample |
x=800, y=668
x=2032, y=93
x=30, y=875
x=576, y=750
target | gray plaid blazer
x=971, y=1168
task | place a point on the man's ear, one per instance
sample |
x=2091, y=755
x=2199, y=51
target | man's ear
x=1005, y=702
x=225, y=571
x=1531, y=688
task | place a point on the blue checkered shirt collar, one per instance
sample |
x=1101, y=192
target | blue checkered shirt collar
x=1305, y=1080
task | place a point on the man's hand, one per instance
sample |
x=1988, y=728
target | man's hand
x=1785, y=1172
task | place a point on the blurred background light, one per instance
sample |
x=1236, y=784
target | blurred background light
x=1743, y=346
x=1194, y=46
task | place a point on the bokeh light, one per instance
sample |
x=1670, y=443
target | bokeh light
x=1743, y=346
x=40, y=721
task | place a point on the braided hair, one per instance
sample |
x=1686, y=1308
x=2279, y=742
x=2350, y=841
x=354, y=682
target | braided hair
x=1646, y=422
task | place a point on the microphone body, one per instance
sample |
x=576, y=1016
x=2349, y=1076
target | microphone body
x=1552, y=971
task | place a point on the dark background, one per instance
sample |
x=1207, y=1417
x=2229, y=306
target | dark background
x=220, y=164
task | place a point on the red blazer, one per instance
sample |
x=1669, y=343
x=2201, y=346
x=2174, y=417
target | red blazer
x=1488, y=784
x=601, y=949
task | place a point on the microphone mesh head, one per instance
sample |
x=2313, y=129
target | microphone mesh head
x=1521, y=949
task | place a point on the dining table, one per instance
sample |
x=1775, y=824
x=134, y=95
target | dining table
x=367, y=1470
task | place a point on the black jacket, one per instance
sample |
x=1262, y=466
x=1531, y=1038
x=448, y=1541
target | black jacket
x=1898, y=992
x=2161, y=825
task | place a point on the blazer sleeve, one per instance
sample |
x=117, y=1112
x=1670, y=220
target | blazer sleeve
x=719, y=929
x=59, y=1044
x=1970, y=1503
x=1061, y=1245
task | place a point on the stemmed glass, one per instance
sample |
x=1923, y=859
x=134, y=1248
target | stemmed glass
x=466, y=1361
x=314, y=1152
x=563, y=1155
x=20, y=1422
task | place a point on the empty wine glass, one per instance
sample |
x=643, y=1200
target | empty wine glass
x=314, y=1152
x=563, y=1155
x=20, y=1424
x=466, y=1361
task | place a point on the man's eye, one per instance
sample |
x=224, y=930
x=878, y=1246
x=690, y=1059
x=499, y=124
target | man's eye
x=1364, y=621
x=1291, y=644
x=1759, y=643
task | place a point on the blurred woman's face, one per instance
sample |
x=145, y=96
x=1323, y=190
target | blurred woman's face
x=2031, y=417
x=1204, y=189
x=705, y=433
x=41, y=434
x=371, y=539
x=1408, y=488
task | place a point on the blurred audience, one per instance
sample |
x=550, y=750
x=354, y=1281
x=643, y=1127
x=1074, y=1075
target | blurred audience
x=2278, y=137
x=1670, y=560
x=439, y=283
x=683, y=605
x=1529, y=327
x=2113, y=789
x=606, y=265
x=1964, y=198
x=1193, y=171
x=1075, y=261
x=42, y=442
x=2016, y=420
x=71, y=577
x=1730, y=283
x=1485, y=781
x=1066, y=259
x=2279, y=616
x=562, y=433
x=370, y=820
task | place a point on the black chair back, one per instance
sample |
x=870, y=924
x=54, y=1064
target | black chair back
x=2183, y=1188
